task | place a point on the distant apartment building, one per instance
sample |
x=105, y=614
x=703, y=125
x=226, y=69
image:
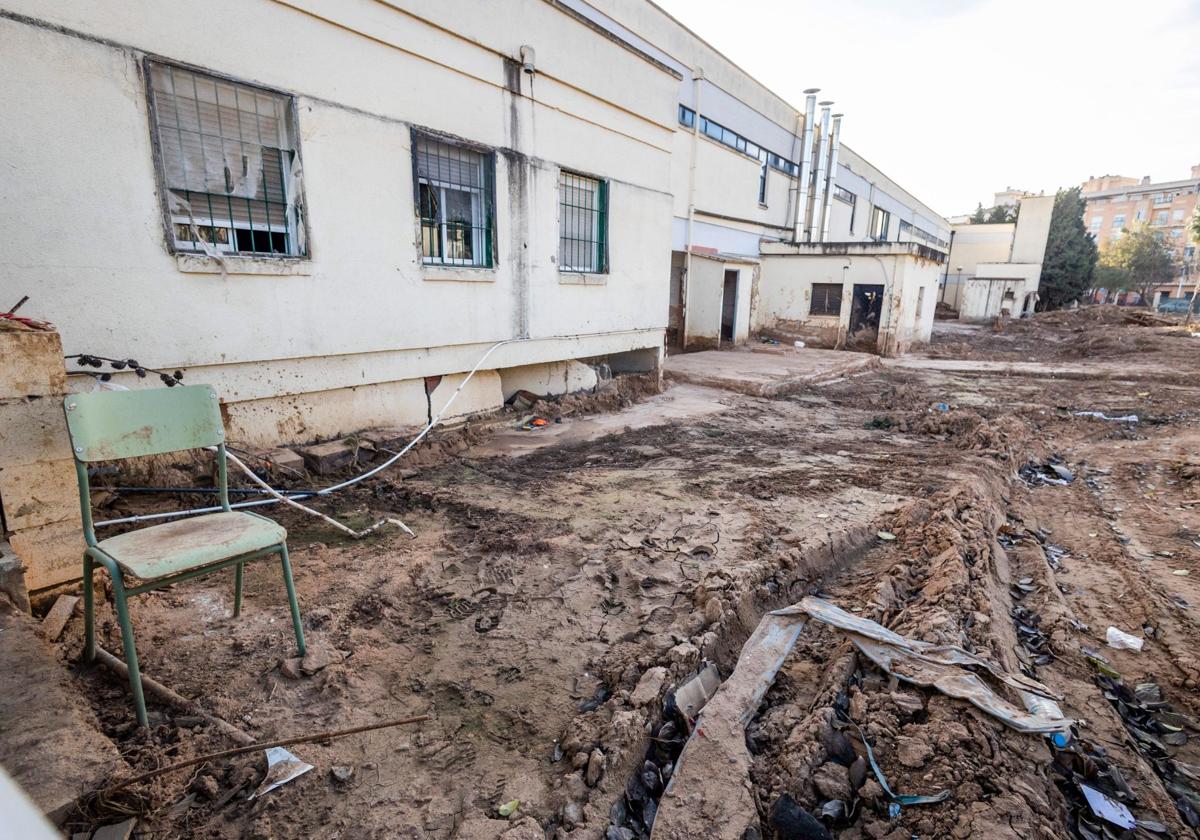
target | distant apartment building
x=1116, y=204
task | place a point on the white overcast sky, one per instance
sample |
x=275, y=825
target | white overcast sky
x=956, y=99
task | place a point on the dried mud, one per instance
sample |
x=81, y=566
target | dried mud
x=541, y=593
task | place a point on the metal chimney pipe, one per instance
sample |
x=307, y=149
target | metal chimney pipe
x=814, y=219
x=801, y=209
x=833, y=156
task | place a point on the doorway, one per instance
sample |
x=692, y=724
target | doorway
x=675, y=303
x=865, y=312
x=729, y=305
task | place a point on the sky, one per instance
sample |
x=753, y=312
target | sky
x=958, y=99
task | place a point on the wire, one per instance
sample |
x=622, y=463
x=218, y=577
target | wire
x=146, y=517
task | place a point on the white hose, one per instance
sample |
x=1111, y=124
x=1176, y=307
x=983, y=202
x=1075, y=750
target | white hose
x=278, y=497
x=345, y=529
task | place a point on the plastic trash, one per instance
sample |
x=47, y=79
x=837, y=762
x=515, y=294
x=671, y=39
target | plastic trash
x=800, y=344
x=1100, y=415
x=1122, y=640
x=282, y=767
x=1108, y=809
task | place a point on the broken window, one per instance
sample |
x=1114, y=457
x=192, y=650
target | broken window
x=456, y=202
x=582, y=224
x=229, y=161
x=826, y=299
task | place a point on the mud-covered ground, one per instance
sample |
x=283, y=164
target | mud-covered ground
x=542, y=589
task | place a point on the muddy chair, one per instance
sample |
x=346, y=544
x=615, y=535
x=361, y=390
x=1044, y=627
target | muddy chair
x=114, y=425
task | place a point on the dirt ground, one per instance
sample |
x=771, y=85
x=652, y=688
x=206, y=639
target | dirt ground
x=554, y=596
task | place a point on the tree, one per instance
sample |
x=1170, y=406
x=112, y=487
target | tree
x=1070, y=253
x=1144, y=258
x=978, y=218
x=1000, y=214
x=1195, y=225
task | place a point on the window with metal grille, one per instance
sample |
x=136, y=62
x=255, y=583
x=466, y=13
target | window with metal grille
x=826, y=299
x=582, y=224
x=229, y=161
x=456, y=198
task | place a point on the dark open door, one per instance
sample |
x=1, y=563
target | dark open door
x=865, y=312
x=729, y=305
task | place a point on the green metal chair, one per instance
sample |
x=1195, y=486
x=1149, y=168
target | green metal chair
x=114, y=425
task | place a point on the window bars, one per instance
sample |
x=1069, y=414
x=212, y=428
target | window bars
x=583, y=224
x=456, y=201
x=229, y=163
x=826, y=299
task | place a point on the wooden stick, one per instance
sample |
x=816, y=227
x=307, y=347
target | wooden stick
x=172, y=698
x=281, y=742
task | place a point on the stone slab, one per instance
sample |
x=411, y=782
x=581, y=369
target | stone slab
x=769, y=374
x=50, y=742
x=31, y=364
x=39, y=493
x=33, y=429
x=50, y=554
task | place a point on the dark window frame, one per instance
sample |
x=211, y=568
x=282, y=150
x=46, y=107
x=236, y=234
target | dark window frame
x=596, y=242
x=439, y=236
x=824, y=301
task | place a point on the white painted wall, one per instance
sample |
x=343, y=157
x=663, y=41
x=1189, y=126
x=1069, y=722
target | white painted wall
x=83, y=232
x=789, y=272
x=704, y=290
x=1033, y=227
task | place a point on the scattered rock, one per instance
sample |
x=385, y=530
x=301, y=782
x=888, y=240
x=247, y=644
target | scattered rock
x=341, y=773
x=649, y=686
x=871, y=791
x=290, y=668
x=908, y=704
x=913, y=752
x=595, y=768
x=320, y=656
x=572, y=814
x=207, y=787
x=832, y=781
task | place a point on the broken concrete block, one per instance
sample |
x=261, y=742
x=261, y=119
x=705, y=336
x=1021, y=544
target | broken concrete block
x=12, y=577
x=649, y=686
x=31, y=364
x=50, y=553
x=39, y=493
x=387, y=439
x=285, y=462
x=56, y=620
x=326, y=458
x=33, y=429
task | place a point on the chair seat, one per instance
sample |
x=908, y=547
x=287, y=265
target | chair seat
x=174, y=547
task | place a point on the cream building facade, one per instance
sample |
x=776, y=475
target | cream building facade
x=995, y=269
x=323, y=222
x=765, y=237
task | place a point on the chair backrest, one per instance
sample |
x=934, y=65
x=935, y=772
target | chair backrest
x=112, y=425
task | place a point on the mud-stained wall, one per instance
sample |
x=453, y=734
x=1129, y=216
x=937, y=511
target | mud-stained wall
x=785, y=296
x=702, y=311
x=361, y=310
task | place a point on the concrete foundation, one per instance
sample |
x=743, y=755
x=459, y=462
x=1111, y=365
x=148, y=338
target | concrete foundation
x=766, y=374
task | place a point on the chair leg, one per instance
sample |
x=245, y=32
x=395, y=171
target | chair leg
x=89, y=610
x=237, y=591
x=135, y=674
x=291, y=591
